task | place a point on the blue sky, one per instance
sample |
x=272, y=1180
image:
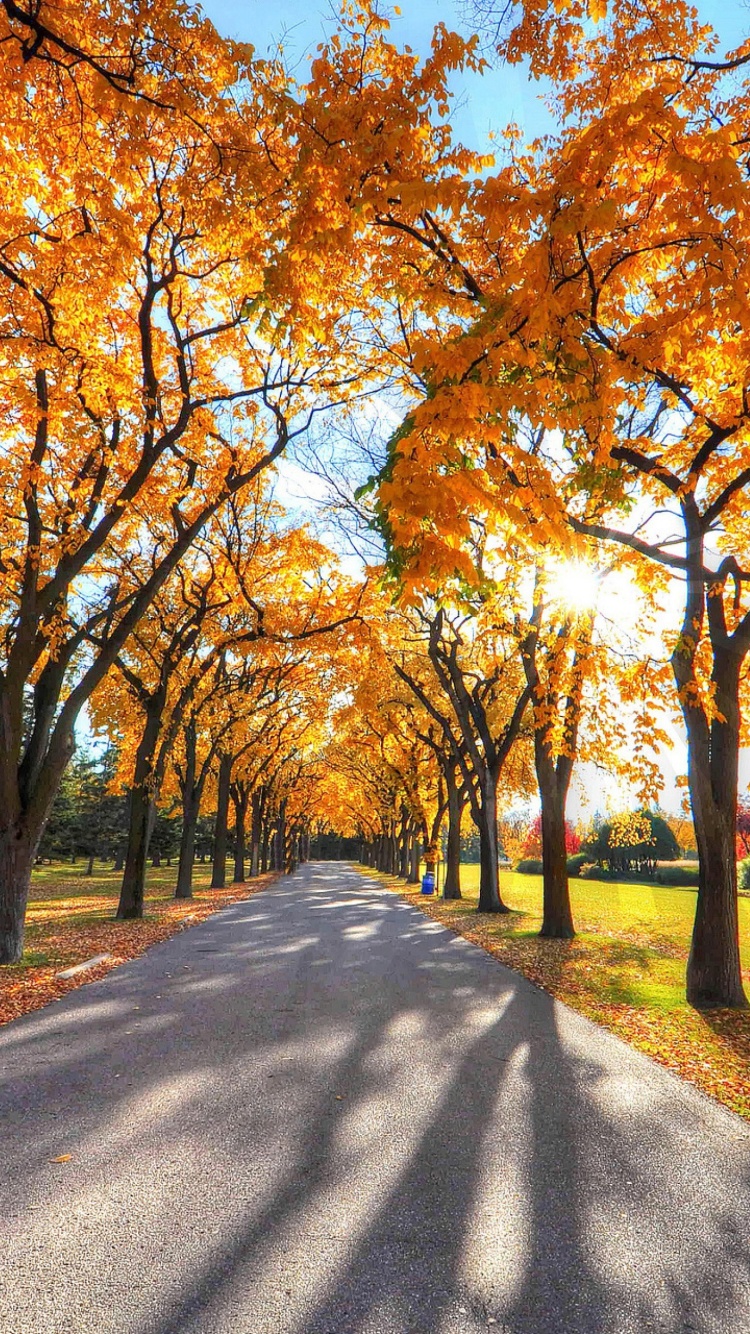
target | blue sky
x=483, y=103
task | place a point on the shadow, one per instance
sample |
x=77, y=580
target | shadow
x=319, y=1112
x=732, y=1027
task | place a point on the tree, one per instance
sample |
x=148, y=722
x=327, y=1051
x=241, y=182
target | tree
x=634, y=840
x=590, y=289
x=126, y=295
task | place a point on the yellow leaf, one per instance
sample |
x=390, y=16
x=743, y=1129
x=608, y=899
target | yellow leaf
x=62, y=1158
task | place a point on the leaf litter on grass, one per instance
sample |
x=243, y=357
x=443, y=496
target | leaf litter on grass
x=65, y=928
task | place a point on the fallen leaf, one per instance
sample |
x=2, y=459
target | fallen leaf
x=62, y=1158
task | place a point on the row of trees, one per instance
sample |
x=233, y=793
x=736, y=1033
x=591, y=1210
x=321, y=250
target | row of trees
x=561, y=338
x=569, y=335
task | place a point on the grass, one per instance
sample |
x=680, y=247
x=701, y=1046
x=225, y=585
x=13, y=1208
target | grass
x=70, y=919
x=625, y=969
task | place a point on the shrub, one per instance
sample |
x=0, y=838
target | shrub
x=595, y=873
x=575, y=863
x=743, y=874
x=677, y=875
x=529, y=866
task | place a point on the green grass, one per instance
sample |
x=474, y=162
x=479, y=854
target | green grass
x=662, y=914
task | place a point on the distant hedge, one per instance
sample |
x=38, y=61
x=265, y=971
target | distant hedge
x=530, y=866
x=677, y=875
x=575, y=863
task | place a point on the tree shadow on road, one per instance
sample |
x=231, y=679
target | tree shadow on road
x=444, y=1149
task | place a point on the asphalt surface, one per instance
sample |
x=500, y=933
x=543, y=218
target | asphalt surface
x=319, y=1113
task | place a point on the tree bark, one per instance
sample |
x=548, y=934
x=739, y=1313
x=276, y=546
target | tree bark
x=184, y=888
x=16, y=862
x=714, y=975
x=256, y=831
x=142, y=813
x=264, y=859
x=281, y=840
x=452, y=886
x=403, y=850
x=191, y=791
x=553, y=780
x=414, y=850
x=489, y=884
x=240, y=797
x=219, y=868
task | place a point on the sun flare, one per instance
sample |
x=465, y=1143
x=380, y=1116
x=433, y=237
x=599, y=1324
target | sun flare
x=574, y=584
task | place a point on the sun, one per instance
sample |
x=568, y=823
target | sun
x=574, y=584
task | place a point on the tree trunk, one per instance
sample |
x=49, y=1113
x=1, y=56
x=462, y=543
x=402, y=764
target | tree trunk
x=142, y=813
x=156, y=859
x=184, y=889
x=191, y=797
x=142, y=820
x=256, y=831
x=282, y=851
x=393, y=852
x=90, y=864
x=554, y=780
x=403, y=849
x=714, y=976
x=219, y=869
x=239, y=800
x=16, y=862
x=414, y=850
x=489, y=885
x=452, y=886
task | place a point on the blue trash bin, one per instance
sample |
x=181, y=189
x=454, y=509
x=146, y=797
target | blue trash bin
x=428, y=882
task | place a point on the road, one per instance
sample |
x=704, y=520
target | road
x=319, y=1112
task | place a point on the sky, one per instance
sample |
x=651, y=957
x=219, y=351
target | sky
x=484, y=103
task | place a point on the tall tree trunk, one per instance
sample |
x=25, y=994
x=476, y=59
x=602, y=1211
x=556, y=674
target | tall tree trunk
x=264, y=858
x=456, y=802
x=239, y=801
x=714, y=976
x=403, y=848
x=184, y=888
x=16, y=862
x=282, y=852
x=256, y=827
x=489, y=884
x=191, y=795
x=219, y=868
x=142, y=814
x=553, y=778
x=414, y=850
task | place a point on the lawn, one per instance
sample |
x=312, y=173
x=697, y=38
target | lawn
x=71, y=918
x=625, y=969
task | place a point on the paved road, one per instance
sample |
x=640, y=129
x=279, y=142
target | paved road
x=320, y=1113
